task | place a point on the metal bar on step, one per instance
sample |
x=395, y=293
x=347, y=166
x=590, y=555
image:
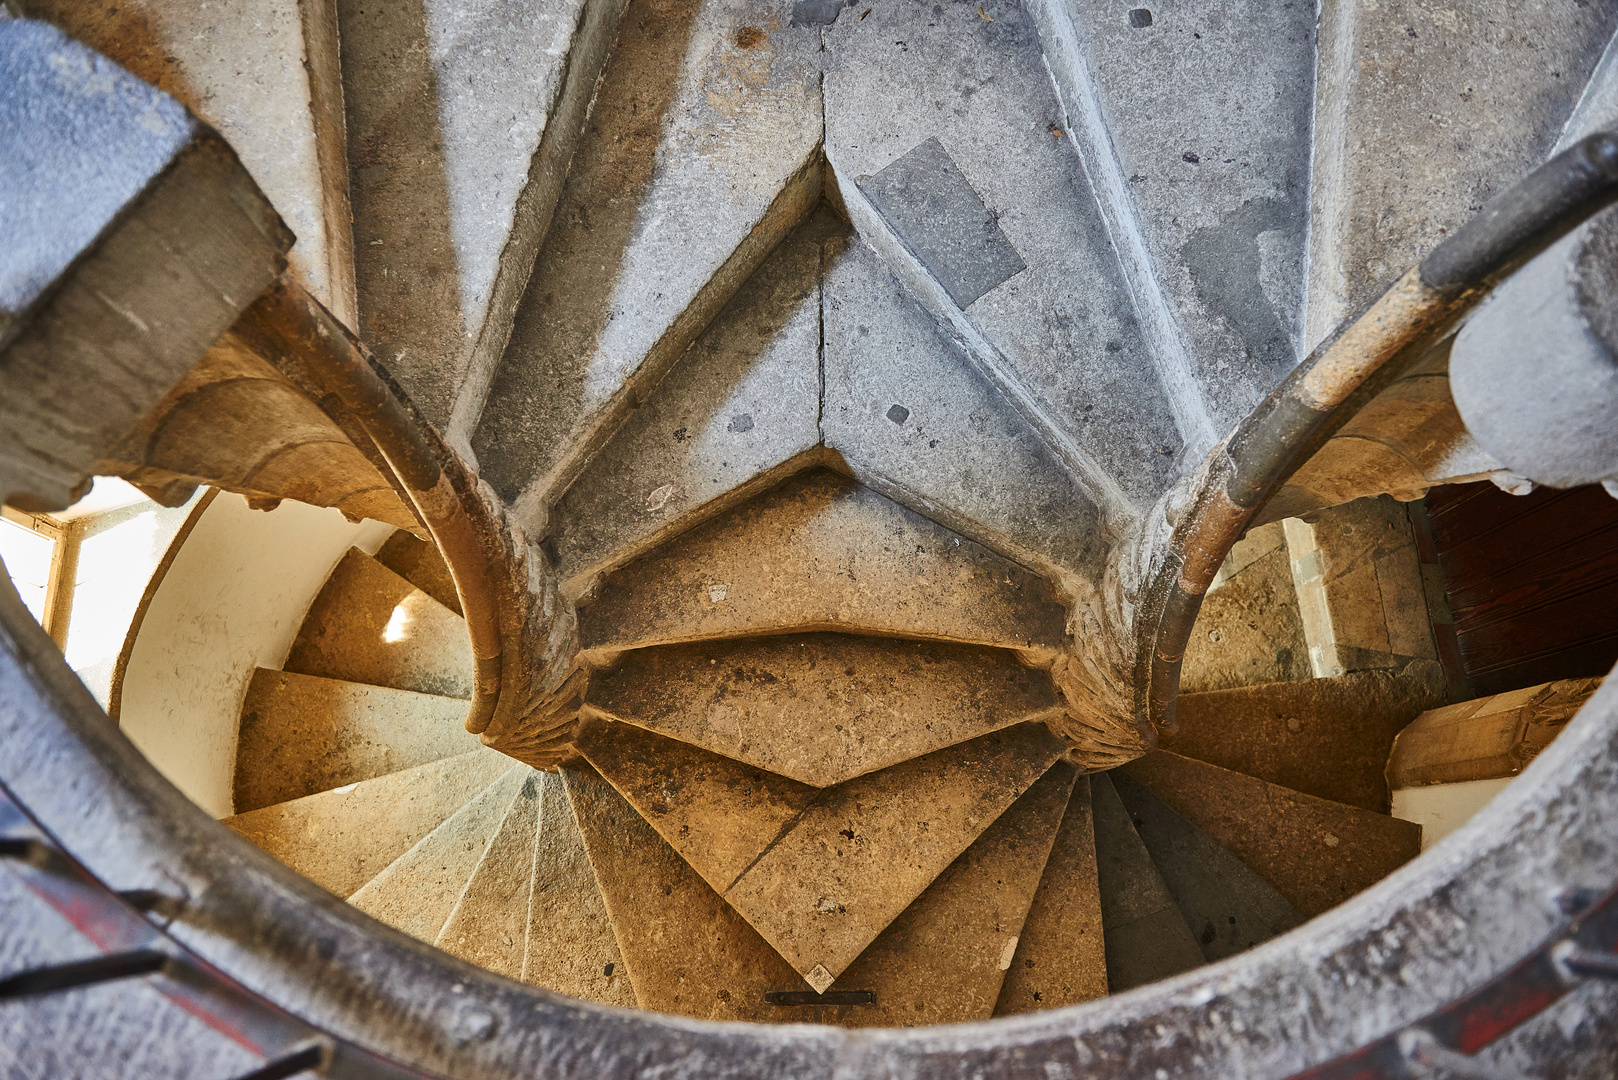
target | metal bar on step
x=100, y=969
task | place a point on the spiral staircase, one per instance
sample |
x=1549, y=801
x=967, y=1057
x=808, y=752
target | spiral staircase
x=812, y=431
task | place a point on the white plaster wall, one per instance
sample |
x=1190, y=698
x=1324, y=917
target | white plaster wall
x=1443, y=808
x=232, y=602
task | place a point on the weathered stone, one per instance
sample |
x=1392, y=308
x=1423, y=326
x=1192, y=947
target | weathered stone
x=688, y=952
x=742, y=404
x=854, y=859
x=370, y=625
x=1249, y=630
x=301, y=734
x=1487, y=738
x=1060, y=958
x=944, y=958
x=823, y=553
x=1060, y=338
x=1316, y=853
x=700, y=155
x=1329, y=738
x=418, y=562
x=913, y=418
x=1146, y=937
x=571, y=946
x=342, y=838
x=822, y=708
x=489, y=923
x=1227, y=906
x=418, y=890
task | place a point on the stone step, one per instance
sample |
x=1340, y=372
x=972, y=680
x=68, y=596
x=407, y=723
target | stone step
x=419, y=562
x=369, y=625
x=1227, y=906
x=418, y=890
x=1249, y=630
x=944, y=959
x=1314, y=852
x=983, y=209
x=1146, y=937
x=822, y=708
x=1329, y=738
x=489, y=923
x=571, y=945
x=1060, y=958
x=741, y=406
x=461, y=120
x=302, y=734
x=342, y=838
x=821, y=552
x=700, y=154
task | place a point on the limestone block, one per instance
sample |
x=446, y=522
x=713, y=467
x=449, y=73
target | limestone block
x=418, y=562
x=489, y=924
x=1249, y=630
x=1489, y=737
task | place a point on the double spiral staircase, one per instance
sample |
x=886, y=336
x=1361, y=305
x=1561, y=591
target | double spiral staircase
x=812, y=431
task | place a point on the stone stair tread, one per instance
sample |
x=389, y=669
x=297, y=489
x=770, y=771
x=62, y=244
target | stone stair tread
x=688, y=952
x=489, y=924
x=741, y=404
x=943, y=960
x=822, y=708
x=303, y=734
x=1329, y=738
x=419, y=562
x=1146, y=937
x=821, y=552
x=1314, y=852
x=1227, y=906
x=342, y=838
x=1060, y=958
x=369, y=625
x=1250, y=629
x=698, y=156
x=913, y=418
x=864, y=850
x=571, y=947
x=417, y=891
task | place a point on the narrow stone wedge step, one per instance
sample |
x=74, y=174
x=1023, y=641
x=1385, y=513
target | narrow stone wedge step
x=370, y=625
x=1147, y=938
x=1060, y=958
x=944, y=959
x=821, y=552
x=1314, y=852
x=700, y=154
x=342, y=838
x=302, y=734
x=1227, y=906
x=689, y=953
x=571, y=947
x=418, y=890
x=489, y=923
x=418, y=562
x=822, y=708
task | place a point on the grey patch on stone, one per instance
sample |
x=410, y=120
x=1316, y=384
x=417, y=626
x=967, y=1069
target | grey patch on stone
x=898, y=414
x=815, y=12
x=1227, y=270
x=741, y=423
x=1140, y=18
x=938, y=214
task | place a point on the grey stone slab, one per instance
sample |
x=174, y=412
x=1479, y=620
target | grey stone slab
x=820, y=552
x=1060, y=959
x=743, y=402
x=1061, y=338
x=342, y=838
x=489, y=924
x=1195, y=126
x=1147, y=938
x=822, y=708
x=699, y=156
x=913, y=418
x=462, y=116
x=1227, y=906
x=301, y=734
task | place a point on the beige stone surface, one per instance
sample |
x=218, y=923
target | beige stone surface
x=1486, y=738
x=944, y=958
x=571, y=945
x=1060, y=959
x=419, y=889
x=821, y=552
x=866, y=849
x=823, y=708
x=1249, y=630
x=372, y=626
x=342, y=838
x=418, y=562
x=489, y=923
x=301, y=734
